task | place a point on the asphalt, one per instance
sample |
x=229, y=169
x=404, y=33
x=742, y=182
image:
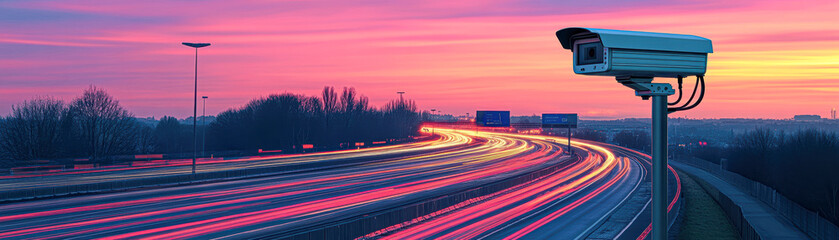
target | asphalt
x=181, y=167
x=568, y=203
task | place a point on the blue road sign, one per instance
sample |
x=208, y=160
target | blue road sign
x=493, y=118
x=559, y=120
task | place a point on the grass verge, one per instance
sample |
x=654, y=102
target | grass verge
x=703, y=218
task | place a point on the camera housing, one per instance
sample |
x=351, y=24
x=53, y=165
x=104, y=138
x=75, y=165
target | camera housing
x=630, y=54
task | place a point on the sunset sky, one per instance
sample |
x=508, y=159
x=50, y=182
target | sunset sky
x=772, y=59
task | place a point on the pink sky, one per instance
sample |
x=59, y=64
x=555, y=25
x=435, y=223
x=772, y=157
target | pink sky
x=773, y=59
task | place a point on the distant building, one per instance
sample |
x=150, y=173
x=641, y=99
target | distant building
x=807, y=117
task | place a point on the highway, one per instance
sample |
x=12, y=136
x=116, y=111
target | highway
x=183, y=166
x=571, y=200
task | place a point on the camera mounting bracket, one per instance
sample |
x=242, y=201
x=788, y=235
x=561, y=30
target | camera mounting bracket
x=644, y=87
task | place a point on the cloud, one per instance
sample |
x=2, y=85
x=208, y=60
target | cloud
x=48, y=43
x=459, y=55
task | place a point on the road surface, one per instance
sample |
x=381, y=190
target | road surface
x=569, y=202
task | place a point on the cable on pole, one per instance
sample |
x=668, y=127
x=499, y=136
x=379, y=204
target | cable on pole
x=680, y=93
x=700, y=84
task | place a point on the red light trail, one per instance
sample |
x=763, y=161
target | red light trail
x=458, y=161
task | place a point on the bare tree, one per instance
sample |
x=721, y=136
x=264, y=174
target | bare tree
x=311, y=115
x=751, y=153
x=146, y=141
x=172, y=137
x=330, y=100
x=105, y=128
x=800, y=165
x=287, y=121
x=348, y=102
x=330, y=107
x=404, y=114
x=32, y=130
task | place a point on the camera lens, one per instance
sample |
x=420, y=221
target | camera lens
x=591, y=53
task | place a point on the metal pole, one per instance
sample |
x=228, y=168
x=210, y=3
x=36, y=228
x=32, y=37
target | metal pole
x=659, y=152
x=433, y=116
x=204, y=126
x=569, y=141
x=195, y=115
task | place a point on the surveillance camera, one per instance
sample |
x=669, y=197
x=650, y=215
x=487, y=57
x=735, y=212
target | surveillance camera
x=626, y=54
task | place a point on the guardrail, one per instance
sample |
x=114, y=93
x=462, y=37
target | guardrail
x=808, y=221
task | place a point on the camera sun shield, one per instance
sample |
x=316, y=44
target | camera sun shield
x=619, y=53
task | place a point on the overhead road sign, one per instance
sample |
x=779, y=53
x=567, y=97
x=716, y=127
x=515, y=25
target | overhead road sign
x=559, y=120
x=492, y=118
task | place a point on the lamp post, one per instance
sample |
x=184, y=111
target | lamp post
x=401, y=104
x=432, y=115
x=204, y=127
x=400, y=95
x=195, y=102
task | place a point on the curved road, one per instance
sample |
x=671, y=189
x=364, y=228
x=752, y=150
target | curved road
x=575, y=200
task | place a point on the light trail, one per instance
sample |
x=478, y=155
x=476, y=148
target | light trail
x=248, y=208
x=184, y=167
x=481, y=218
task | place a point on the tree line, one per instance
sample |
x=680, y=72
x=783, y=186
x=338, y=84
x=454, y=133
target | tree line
x=288, y=121
x=800, y=165
x=636, y=139
x=95, y=126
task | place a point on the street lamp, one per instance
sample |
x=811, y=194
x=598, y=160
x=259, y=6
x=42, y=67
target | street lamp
x=432, y=125
x=195, y=103
x=204, y=127
x=400, y=95
x=401, y=104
